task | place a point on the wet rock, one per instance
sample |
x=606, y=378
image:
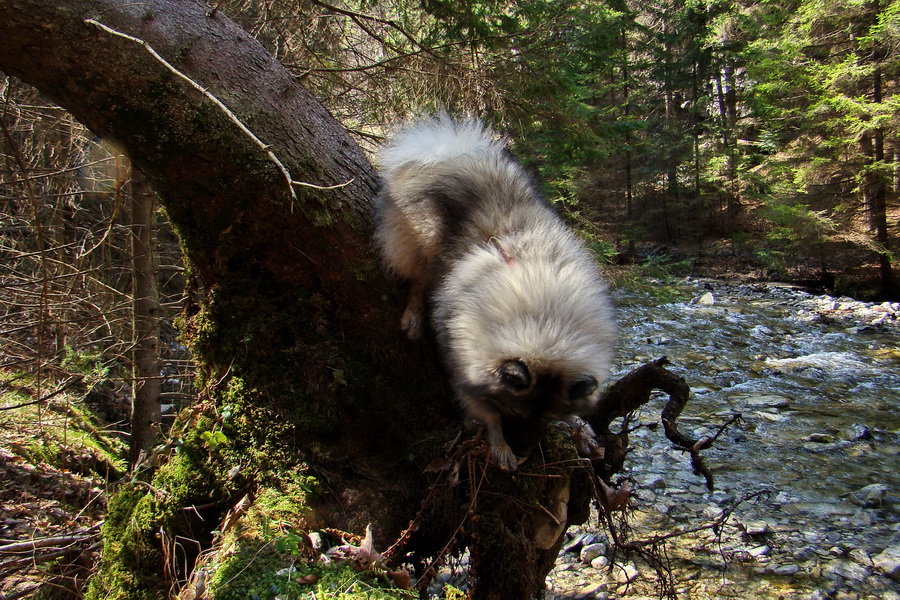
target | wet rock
x=804, y=553
x=786, y=570
x=579, y=540
x=706, y=299
x=591, y=590
x=860, y=432
x=860, y=557
x=820, y=438
x=767, y=401
x=845, y=569
x=655, y=482
x=888, y=562
x=756, y=527
x=871, y=496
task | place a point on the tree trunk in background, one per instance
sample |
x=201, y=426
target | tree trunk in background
x=671, y=194
x=727, y=100
x=626, y=108
x=874, y=189
x=879, y=195
x=145, y=409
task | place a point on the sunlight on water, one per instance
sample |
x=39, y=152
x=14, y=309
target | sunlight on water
x=816, y=379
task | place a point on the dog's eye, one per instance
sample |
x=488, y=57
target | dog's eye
x=514, y=374
x=583, y=388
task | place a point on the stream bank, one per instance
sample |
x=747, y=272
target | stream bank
x=807, y=479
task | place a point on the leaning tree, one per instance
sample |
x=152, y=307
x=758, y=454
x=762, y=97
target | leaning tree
x=315, y=415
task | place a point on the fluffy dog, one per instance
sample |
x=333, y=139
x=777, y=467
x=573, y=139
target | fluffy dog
x=519, y=311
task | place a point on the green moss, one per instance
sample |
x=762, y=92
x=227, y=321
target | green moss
x=451, y=593
x=145, y=516
x=290, y=499
x=323, y=218
x=130, y=568
x=60, y=446
x=274, y=576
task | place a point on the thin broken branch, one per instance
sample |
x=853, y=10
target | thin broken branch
x=221, y=105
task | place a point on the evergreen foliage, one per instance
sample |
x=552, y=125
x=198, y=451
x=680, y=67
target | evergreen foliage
x=668, y=121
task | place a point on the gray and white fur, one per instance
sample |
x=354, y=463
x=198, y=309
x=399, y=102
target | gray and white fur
x=520, y=313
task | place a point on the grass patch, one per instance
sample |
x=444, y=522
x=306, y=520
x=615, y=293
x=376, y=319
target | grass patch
x=60, y=431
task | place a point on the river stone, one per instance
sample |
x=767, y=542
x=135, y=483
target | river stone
x=767, y=401
x=756, y=527
x=888, y=562
x=655, y=482
x=592, y=551
x=579, y=541
x=786, y=570
x=591, y=590
x=626, y=574
x=600, y=563
x=860, y=432
x=707, y=299
x=820, y=438
x=871, y=496
x=846, y=570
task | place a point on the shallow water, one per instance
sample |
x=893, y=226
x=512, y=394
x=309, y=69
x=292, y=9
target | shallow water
x=816, y=379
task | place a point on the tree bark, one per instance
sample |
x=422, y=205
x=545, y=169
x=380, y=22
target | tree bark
x=145, y=408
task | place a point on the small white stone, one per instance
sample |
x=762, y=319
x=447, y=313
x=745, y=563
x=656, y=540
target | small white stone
x=707, y=299
x=756, y=527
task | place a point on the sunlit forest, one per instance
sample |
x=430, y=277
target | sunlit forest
x=744, y=140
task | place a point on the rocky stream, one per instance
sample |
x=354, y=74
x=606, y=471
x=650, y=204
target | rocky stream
x=806, y=481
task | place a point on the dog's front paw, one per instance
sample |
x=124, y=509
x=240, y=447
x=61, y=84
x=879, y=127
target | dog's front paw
x=504, y=457
x=411, y=323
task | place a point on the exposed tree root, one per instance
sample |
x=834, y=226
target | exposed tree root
x=513, y=525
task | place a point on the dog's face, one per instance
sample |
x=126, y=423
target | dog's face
x=528, y=398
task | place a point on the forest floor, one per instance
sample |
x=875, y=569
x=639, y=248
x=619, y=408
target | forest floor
x=55, y=466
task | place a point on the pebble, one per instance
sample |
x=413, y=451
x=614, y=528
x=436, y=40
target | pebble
x=820, y=438
x=786, y=570
x=707, y=299
x=578, y=542
x=590, y=590
x=846, y=570
x=756, y=527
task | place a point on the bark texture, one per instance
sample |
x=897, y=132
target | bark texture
x=146, y=409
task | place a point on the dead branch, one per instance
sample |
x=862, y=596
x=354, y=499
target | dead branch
x=630, y=393
x=32, y=545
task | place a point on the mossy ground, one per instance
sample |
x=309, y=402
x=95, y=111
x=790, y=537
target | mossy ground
x=56, y=462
